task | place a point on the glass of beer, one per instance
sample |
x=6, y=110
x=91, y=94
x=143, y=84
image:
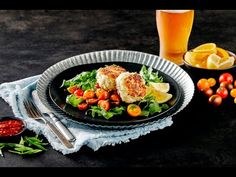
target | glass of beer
x=174, y=28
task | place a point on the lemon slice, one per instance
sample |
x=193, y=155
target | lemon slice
x=207, y=48
x=163, y=87
x=160, y=97
x=196, y=57
x=227, y=63
x=213, y=61
x=222, y=53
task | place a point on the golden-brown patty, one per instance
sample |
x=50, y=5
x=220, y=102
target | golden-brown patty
x=106, y=77
x=131, y=87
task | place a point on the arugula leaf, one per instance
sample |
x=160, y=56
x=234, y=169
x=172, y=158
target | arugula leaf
x=85, y=80
x=106, y=114
x=73, y=100
x=150, y=76
x=150, y=106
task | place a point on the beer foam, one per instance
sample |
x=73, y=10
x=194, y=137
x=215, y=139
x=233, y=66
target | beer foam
x=175, y=11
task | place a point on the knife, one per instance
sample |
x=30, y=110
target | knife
x=45, y=111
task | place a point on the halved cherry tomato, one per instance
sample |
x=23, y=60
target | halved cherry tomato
x=222, y=92
x=79, y=92
x=82, y=106
x=102, y=94
x=104, y=104
x=203, y=84
x=115, y=97
x=134, y=110
x=208, y=92
x=215, y=100
x=226, y=77
x=92, y=101
x=233, y=92
x=72, y=89
x=88, y=94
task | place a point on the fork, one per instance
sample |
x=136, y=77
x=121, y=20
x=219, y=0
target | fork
x=33, y=112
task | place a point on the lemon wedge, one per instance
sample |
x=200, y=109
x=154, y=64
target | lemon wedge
x=163, y=87
x=160, y=97
x=196, y=57
x=227, y=63
x=206, y=48
x=222, y=53
x=213, y=61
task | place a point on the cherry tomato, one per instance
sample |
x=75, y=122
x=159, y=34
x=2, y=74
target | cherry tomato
x=115, y=97
x=79, y=92
x=211, y=81
x=97, y=86
x=104, y=104
x=88, y=94
x=226, y=85
x=233, y=92
x=215, y=100
x=235, y=84
x=203, y=84
x=92, y=101
x=72, y=89
x=134, y=110
x=235, y=100
x=230, y=86
x=223, y=84
x=222, y=92
x=226, y=77
x=82, y=106
x=208, y=92
x=102, y=94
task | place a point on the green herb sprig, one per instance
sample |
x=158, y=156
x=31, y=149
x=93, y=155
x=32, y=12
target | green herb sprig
x=27, y=145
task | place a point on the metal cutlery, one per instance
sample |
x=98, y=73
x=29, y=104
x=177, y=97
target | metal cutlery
x=46, y=112
x=33, y=112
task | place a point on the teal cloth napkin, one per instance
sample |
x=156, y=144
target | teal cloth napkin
x=14, y=93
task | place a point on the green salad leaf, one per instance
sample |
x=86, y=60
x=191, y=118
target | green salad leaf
x=85, y=80
x=150, y=76
x=73, y=100
x=150, y=106
x=96, y=110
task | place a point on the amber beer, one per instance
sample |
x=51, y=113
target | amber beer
x=174, y=28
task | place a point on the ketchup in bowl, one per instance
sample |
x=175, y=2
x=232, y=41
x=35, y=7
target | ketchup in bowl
x=10, y=126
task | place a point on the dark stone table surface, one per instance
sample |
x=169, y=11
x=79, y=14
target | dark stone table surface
x=201, y=136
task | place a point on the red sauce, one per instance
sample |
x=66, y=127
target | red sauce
x=11, y=127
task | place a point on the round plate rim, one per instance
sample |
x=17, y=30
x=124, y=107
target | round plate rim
x=171, y=69
x=128, y=122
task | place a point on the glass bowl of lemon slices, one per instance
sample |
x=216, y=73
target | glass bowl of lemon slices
x=209, y=60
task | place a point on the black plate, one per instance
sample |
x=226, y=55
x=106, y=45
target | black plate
x=58, y=96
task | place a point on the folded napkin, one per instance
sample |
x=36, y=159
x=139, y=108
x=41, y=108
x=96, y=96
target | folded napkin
x=14, y=93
